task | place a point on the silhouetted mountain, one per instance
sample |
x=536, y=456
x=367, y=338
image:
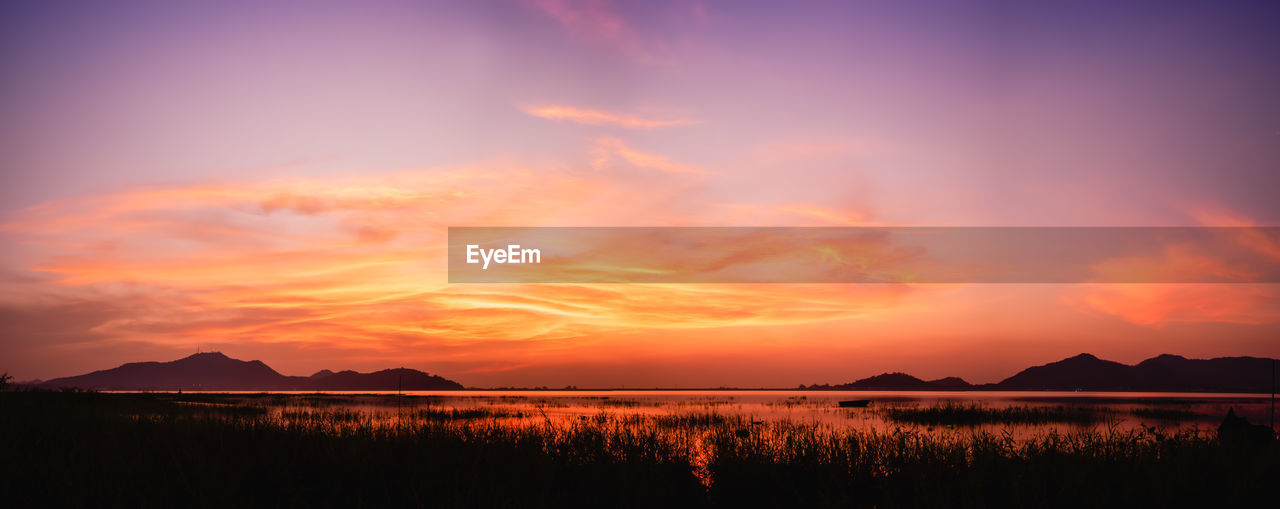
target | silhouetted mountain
x=951, y=382
x=899, y=382
x=212, y=370
x=1164, y=373
x=1083, y=372
x=387, y=379
x=215, y=371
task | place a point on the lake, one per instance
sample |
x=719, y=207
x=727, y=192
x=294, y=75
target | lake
x=1021, y=414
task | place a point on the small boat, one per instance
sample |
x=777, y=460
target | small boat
x=855, y=403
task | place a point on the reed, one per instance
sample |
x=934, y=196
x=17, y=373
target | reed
x=84, y=449
x=972, y=414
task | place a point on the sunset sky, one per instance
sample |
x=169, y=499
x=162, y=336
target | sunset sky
x=275, y=180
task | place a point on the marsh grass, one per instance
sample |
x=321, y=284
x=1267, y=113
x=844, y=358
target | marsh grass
x=456, y=414
x=974, y=414
x=692, y=420
x=86, y=449
x=1087, y=468
x=607, y=402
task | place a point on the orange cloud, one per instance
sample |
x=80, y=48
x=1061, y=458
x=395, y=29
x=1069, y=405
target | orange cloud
x=606, y=150
x=355, y=267
x=1158, y=305
x=596, y=117
x=1178, y=262
x=358, y=263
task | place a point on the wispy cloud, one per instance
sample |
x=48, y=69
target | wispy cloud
x=606, y=150
x=358, y=263
x=596, y=117
x=1158, y=305
x=356, y=267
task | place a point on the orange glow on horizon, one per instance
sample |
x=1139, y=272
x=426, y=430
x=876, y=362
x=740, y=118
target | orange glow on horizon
x=357, y=264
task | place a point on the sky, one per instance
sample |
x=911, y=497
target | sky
x=275, y=180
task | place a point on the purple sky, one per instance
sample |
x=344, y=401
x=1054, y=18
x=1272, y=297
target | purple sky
x=1080, y=113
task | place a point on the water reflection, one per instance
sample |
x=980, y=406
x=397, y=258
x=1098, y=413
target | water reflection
x=700, y=426
x=1021, y=414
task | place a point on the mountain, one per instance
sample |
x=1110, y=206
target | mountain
x=1085, y=372
x=387, y=379
x=1082, y=372
x=950, y=383
x=211, y=370
x=900, y=382
x=215, y=371
x=1164, y=373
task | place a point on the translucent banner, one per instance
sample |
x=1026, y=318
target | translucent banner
x=864, y=255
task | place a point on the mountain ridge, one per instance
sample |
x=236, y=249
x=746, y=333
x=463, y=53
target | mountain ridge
x=1087, y=372
x=216, y=371
x=1083, y=372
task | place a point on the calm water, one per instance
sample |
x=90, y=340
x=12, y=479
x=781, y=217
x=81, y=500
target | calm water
x=520, y=408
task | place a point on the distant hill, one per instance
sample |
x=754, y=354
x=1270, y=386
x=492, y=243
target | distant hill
x=900, y=382
x=1085, y=372
x=215, y=371
x=1165, y=373
x=385, y=380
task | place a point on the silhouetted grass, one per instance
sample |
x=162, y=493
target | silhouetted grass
x=694, y=420
x=972, y=414
x=451, y=414
x=801, y=465
x=91, y=450
x=617, y=403
x=325, y=417
x=87, y=449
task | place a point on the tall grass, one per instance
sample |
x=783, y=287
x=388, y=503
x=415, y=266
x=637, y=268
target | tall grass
x=970, y=414
x=92, y=450
x=1110, y=468
x=154, y=450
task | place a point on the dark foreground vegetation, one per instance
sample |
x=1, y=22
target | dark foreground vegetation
x=973, y=414
x=143, y=450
